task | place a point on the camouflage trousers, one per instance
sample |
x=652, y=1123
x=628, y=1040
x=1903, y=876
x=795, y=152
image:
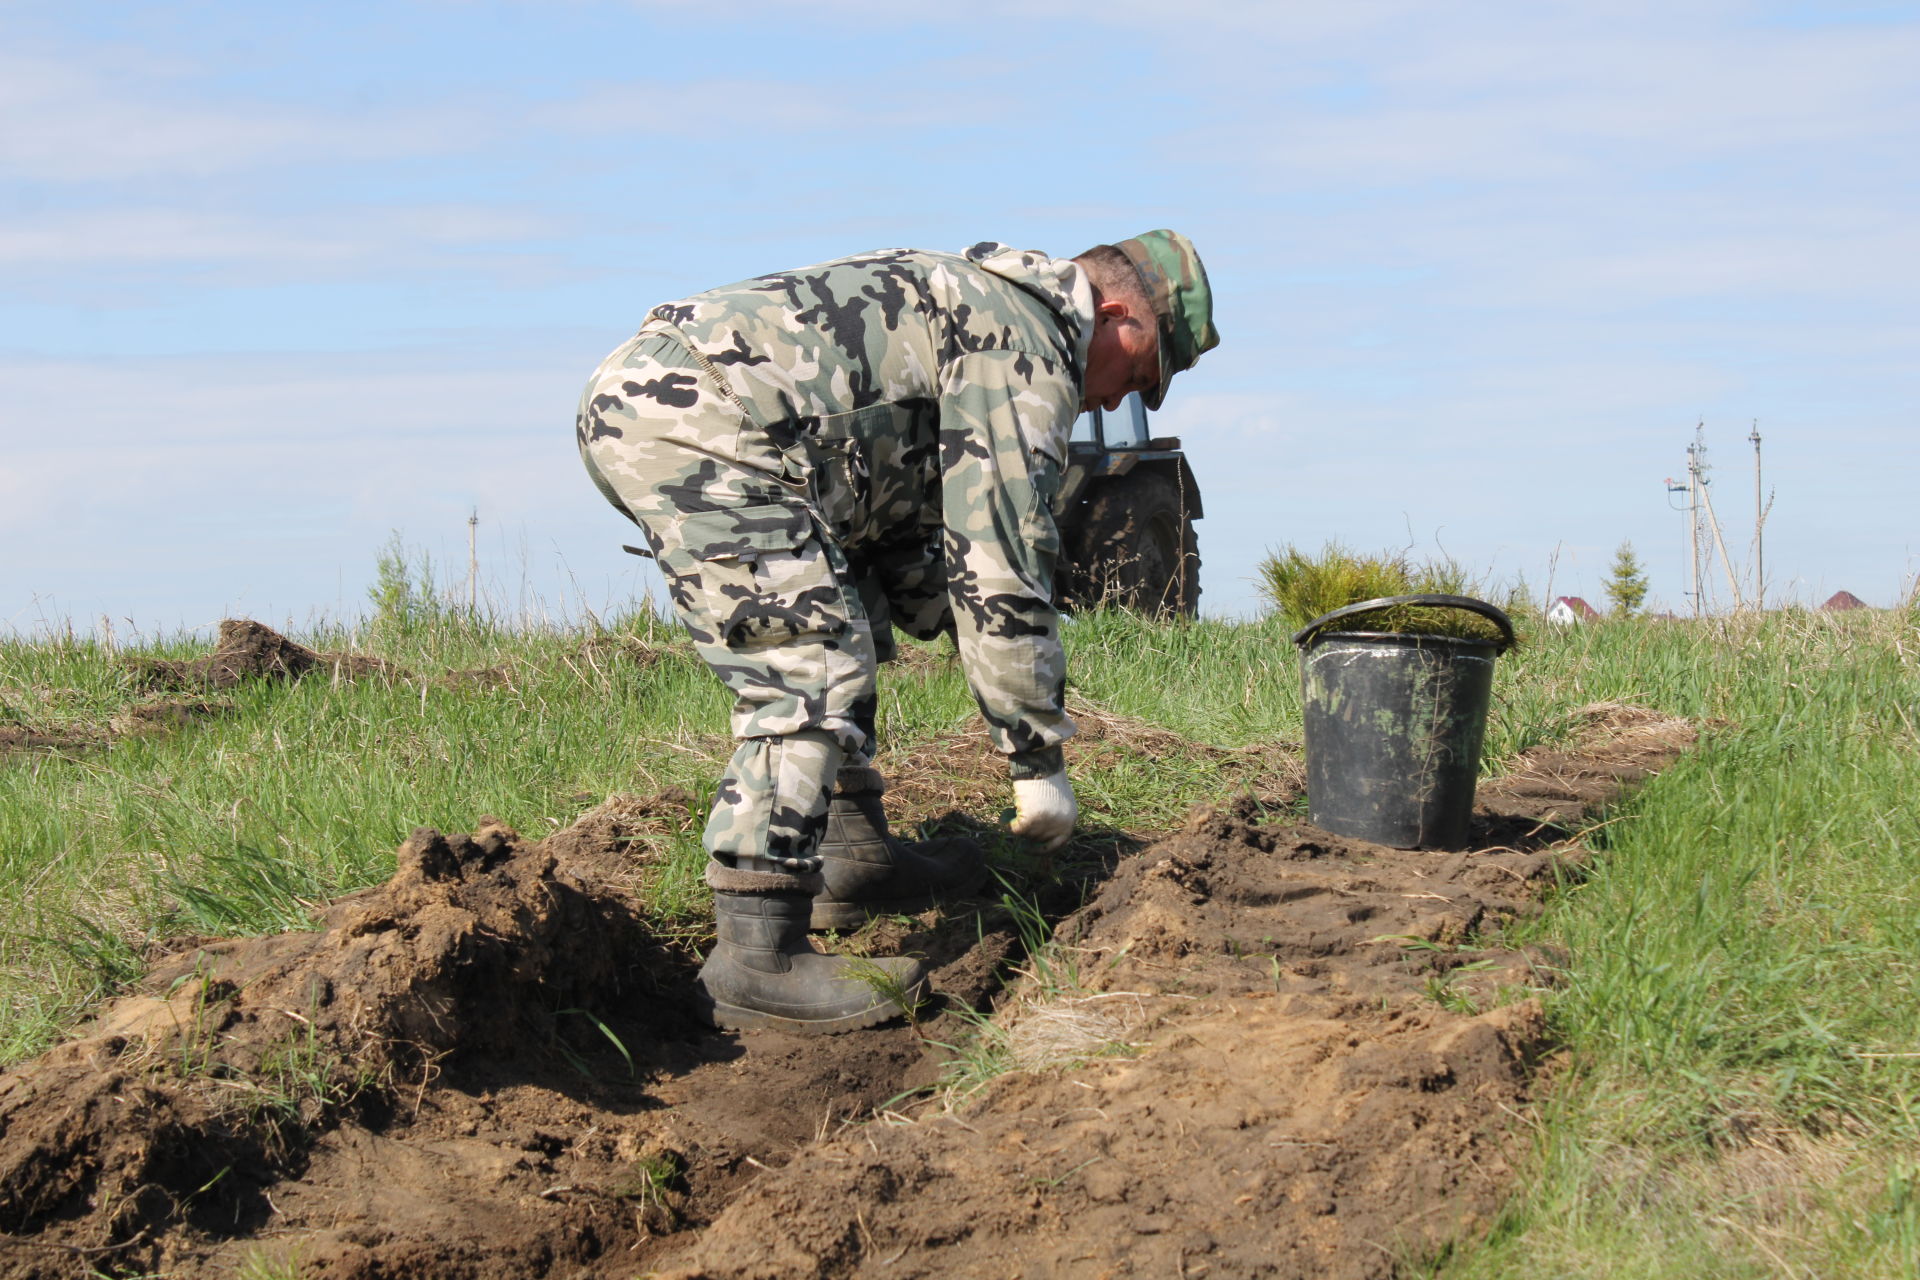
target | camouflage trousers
x=765, y=590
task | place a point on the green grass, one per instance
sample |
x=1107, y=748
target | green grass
x=271, y=1263
x=1741, y=998
x=1739, y=1001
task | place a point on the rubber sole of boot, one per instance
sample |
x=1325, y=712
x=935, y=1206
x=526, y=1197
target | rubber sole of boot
x=729, y=1017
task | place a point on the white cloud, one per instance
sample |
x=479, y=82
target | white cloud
x=183, y=484
x=1198, y=18
x=1544, y=100
x=73, y=123
x=716, y=108
x=159, y=236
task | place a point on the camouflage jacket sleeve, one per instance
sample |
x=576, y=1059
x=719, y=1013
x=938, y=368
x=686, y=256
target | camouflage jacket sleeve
x=1004, y=420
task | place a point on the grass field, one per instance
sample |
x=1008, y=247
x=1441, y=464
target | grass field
x=1741, y=999
x=1742, y=1074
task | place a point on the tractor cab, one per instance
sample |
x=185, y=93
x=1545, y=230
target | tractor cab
x=1127, y=505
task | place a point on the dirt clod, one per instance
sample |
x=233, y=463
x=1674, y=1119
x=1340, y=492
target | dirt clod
x=248, y=650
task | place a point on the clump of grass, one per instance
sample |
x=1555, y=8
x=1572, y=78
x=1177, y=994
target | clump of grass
x=293, y=1085
x=1303, y=586
x=579, y=1063
x=655, y=1185
x=1049, y=1019
x=887, y=988
x=1073, y=1028
x=404, y=593
x=1040, y=1029
x=109, y=957
x=272, y=1262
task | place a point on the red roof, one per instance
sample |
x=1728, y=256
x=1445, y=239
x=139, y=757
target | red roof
x=1844, y=600
x=1581, y=609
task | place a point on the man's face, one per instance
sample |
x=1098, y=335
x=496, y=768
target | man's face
x=1124, y=357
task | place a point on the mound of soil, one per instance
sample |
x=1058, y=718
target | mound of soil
x=181, y=1109
x=248, y=650
x=485, y=1068
x=624, y=648
x=245, y=651
x=164, y=715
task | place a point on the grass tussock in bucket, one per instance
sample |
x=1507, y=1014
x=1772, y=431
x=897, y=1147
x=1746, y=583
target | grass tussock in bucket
x=1395, y=693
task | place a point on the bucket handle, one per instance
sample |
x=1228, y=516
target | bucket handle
x=1490, y=612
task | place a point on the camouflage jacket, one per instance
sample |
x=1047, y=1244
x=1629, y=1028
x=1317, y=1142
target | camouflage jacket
x=927, y=399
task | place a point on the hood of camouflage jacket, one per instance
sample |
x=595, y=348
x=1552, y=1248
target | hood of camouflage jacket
x=1057, y=282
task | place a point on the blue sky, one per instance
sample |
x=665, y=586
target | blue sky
x=277, y=281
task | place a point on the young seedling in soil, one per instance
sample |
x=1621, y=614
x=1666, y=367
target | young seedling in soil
x=575, y=1060
x=656, y=1185
x=272, y=1264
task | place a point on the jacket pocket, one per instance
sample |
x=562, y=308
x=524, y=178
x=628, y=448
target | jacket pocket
x=859, y=470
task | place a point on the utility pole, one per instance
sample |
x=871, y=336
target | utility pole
x=1726, y=562
x=1704, y=530
x=1696, y=480
x=1759, y=524
x=1699, y=570
x=473, y=562
x=1693, y=586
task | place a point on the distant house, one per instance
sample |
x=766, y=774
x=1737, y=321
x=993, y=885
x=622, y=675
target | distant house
x=1568, y=610
x=1842, y=600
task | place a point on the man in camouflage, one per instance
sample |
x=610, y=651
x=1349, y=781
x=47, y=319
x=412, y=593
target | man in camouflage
x=818, y=456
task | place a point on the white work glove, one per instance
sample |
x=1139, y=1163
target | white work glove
x=1044, y=810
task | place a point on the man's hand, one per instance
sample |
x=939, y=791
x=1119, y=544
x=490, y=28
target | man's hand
x=1044, y=810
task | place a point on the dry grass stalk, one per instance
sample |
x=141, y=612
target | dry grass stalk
x=1061, y=1030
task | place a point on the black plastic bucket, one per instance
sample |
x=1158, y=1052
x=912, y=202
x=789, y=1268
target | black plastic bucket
x=1394, y=724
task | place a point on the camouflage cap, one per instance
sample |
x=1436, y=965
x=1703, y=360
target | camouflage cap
x=1176, y=284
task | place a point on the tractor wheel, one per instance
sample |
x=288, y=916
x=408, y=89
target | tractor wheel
x=1135, y=548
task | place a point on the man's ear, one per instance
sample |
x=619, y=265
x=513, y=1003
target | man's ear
x=1111, y=309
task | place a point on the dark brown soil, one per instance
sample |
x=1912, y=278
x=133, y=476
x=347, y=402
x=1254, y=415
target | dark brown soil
x=248, y=650
x=486, y=1068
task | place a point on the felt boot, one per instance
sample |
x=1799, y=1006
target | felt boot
x=763, y=974
x=871, y=873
